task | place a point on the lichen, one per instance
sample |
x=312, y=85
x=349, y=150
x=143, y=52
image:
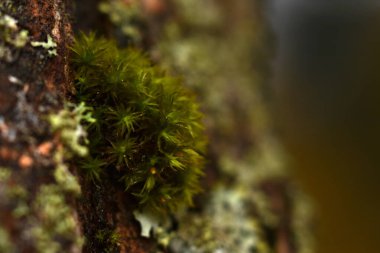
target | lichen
x=11, y=35
x=303, y=217
x=125, y=16
x=49, y=221
x=50, y=45
x=5, y=242
x=5, y=174
x=225, y=225
x=64, y=177
x=68, y=122
x=47, y=218
x=56, y=220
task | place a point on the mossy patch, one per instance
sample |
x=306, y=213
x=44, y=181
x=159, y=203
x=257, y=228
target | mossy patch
x=148, y=131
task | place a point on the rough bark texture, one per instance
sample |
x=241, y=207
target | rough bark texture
x=32, y=85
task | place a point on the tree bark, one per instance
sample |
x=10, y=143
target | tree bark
x=37, y=212
x=34, y=82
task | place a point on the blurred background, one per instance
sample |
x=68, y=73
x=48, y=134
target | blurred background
x=327, y=110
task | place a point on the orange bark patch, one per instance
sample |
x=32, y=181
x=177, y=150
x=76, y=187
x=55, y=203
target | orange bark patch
x=45, y=148
x=8, y=154
x=25, y=161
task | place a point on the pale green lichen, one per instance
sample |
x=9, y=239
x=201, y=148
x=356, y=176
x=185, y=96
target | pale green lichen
x=5, y=242
x=48, y=219
x=5, y=174
x=303, y=215
x=69, y=123
x=19, y=196
x=200, y=13
x=21, y=210
x=14, y=193
x=64, y=177
x=224, y=226
x=11, y=33
x=17, y=191
x=56, y=220
x=124, y=16
x=50, y=45
x=11, y=36
x=6, y=193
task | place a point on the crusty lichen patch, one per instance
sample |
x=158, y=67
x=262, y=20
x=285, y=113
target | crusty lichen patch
x=5, y=243
x=224, y=226
x=68, y=123
x=49, y=221
x=50, y=45
x=125, y=15
x=11, y=36
x=56, y=220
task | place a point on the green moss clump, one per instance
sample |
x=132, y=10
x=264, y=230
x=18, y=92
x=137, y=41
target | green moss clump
x=148, y=131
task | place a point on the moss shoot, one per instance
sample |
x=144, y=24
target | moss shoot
x=148, y=132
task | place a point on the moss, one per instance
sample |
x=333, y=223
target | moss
x=148, y=130
x=108, y=237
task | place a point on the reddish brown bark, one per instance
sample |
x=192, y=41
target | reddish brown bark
x=32, y=85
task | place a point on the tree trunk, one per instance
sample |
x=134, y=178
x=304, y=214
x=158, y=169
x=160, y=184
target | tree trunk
x=46, y=203
x=35, y=80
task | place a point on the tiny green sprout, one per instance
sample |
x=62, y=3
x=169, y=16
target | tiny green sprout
x=93, y=168
x=148, y=130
